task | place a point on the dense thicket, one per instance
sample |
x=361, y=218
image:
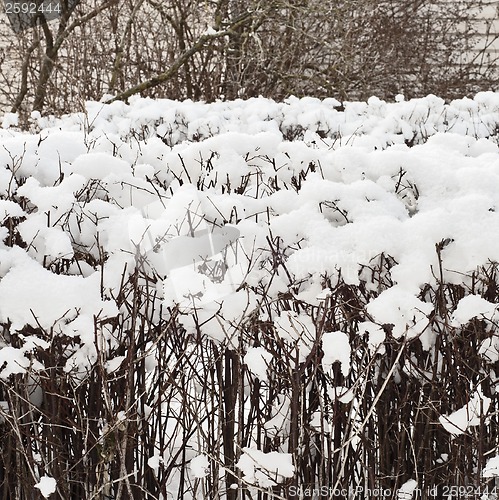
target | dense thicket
x=226, y=49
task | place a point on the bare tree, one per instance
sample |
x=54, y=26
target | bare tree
x=48, y=43
x=228, y=49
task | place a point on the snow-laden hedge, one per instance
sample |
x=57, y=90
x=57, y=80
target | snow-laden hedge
x=199, y=299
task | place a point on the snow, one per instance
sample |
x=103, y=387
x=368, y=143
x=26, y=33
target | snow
x=9, y=119
x=298, y=329
x=47, y=485
x=489, y=349
x=319, y=423
x=154, y=463
x=32, y=295
x=405, y=492
x=100, y=166
x=225, y=202
x=376, y=335
x=265, y=469
x=10, y=209
x=13, y=361
x=468, y=416
x=403, y=310
x=257, y=360
x=113, y=364
x=200, y=466
x=491, y=469
x=472, y=306
x=280, y=414
x=336, y=347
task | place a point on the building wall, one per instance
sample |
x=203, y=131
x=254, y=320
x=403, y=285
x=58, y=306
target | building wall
x=485, y=21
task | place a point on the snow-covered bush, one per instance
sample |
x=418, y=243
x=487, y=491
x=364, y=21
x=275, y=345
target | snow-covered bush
x=216, y=310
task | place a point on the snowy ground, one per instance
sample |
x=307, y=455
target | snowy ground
x=170, y=184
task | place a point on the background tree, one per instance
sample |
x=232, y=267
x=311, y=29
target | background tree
x=226, y=49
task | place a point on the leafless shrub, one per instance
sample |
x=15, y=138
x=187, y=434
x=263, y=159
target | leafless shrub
x=226, y=49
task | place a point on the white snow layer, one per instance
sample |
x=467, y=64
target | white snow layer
x=211, y=199
x=406, y=491
x=200, y=466
x=265, y=469
x=468, y=416
x=257, y=360
x=47, y=485
x=32, y=295
x=155, y=462
x=336, y=347
x=472, y=306
x=492, y=467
